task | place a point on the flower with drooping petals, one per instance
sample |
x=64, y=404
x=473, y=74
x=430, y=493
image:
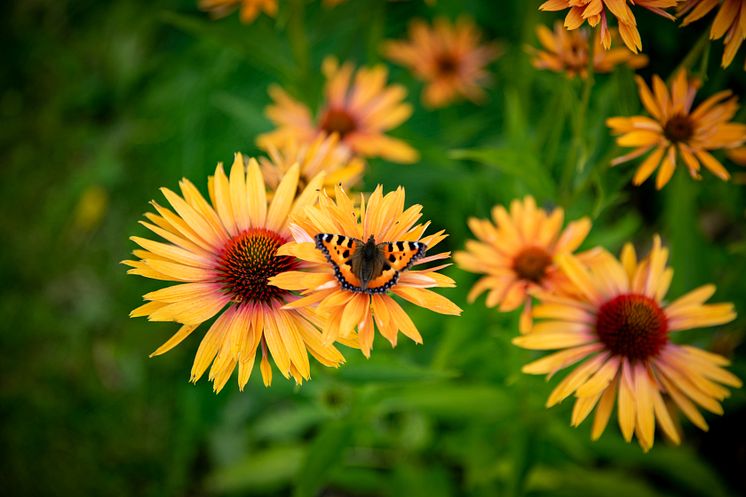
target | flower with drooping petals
x=383, y=218
x=358, y=107
x=597, y=11
x=620, y=325
x=250, y=9
x=730, y=22
x=450, y=58
x=516, y=252
x=567, y=52
x=222, y=254
x=324, y=153
x=675, y=129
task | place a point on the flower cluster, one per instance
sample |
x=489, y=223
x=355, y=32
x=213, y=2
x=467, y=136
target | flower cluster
x=285, y=257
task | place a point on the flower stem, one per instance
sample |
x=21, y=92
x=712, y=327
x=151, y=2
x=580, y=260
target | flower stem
x=577, y=158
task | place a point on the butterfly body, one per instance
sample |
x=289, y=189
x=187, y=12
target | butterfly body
x=368, y=267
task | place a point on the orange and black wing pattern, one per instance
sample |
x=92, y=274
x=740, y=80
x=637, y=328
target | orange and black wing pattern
x=347, y=257
x=338, y=250
x=395, y=257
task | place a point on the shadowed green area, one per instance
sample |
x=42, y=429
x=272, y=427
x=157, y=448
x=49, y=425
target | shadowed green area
x=102, y=103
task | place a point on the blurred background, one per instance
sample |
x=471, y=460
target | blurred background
x=102, y=103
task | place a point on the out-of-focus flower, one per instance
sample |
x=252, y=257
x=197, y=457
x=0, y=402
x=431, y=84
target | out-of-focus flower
x=324, y=153
x=359, y=107
x=450, y=58
x=516, y=252
x=222, y=254
x=730, y=22
x=355, y=257
x=567, y=52
x=91, y=209
x=675, y=129
x=597, y=11
x=619, y=325
x=249, y=9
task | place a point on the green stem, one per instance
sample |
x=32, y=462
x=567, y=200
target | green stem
x=702, y=45
x=298, y=39
x=578, y=156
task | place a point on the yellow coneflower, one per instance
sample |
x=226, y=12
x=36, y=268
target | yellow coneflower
x=356, y=257
x=450, y=58
x=323, y=153
x=250, y=9
x=359, y=109
x=619, y=324
x=567, y=52
x=597, y=11
x=675, y=129
x=730, y=22
x=516, y=252
x=222, y=254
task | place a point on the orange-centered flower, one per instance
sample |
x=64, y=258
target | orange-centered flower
x=359, y=107
x=323, y=154
x=597, y=11
x=449, y=57
x=357, y=257
x=516, y=252
x=222, y=254
x=730, y=22
x=673, y=129
x=567, y=52
x=618, y=325
x=250, y=9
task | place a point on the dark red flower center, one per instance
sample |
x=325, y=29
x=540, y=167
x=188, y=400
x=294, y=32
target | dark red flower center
x=633, y=326
x=248, y=261
x=531, y=264
x=679, y=128
x=446, y=64
x=338, y=121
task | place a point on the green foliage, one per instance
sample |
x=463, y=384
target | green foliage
x=104, y=102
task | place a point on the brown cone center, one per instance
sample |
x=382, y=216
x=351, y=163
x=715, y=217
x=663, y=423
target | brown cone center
x=248, y=260
x=338, y=121
x=531, y=264
x=633, y=326
x=678, y=129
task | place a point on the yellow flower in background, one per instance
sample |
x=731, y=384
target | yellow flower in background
x=619, y=323
x=598, y=11
x=221, y=254
x=675, y=129
x=249, y=9
x=323, y=153
x=449, y=57
x=355, y=256
x=730, y=22
x=358, y=106
x=567, y=52
x=516, y=252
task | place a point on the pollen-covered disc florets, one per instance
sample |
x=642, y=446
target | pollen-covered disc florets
x=248, y=261
x=633, y=326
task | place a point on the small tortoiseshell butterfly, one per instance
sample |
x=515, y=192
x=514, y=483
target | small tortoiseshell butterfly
x=368, y=267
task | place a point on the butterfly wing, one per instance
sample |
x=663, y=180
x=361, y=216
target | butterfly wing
x=339, y=251
x=344, y=254
x=397, y=257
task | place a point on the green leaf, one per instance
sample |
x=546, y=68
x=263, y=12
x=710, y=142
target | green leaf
x=389, y=371
x=323, y=454
x=263, y=470
x=450, y=401
x=519, y=164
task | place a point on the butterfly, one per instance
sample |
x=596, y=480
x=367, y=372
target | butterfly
x=368, y=267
